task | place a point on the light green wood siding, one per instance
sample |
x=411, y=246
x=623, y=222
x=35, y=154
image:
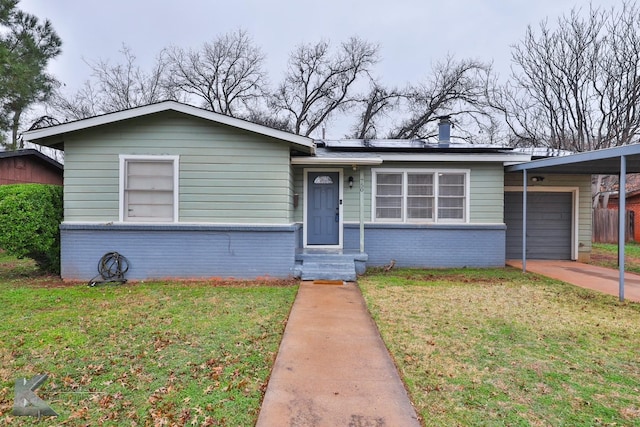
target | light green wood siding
x=226, y=175
x=583, y=183
x=298, y=188
x=486, y=192
x=292, y=193
x=486, y=189
x=351, y=207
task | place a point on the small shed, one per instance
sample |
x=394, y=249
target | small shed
x=29, y=166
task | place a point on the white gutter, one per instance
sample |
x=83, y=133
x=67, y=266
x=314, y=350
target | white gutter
x=335, y=161
x=456, y=157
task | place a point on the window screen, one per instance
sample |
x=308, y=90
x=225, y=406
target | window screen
x=417, y=196
x=148, y=190
x=389, y=196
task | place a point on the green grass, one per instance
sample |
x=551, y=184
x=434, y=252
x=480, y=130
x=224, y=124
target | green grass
x=631, y=249
x=475, y=347
x=606, y=255
x=139, y=354
x=496, y=347
x=12, y=268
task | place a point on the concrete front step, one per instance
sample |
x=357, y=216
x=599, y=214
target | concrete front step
x=328, y=270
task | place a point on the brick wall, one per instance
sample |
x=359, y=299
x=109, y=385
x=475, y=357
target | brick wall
x=433, y=245
x=632, y=204
x=180, y=251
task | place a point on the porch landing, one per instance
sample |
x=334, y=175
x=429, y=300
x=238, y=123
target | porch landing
x=329, y=264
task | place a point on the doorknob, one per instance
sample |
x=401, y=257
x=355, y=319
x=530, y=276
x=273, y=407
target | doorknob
x=337, y=214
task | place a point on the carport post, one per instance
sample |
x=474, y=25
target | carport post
x=524, y=220
x=622, y=210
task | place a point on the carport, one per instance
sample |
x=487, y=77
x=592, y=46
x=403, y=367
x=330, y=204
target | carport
x=610, y=161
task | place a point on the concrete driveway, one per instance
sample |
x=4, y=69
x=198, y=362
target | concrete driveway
x=585, y=275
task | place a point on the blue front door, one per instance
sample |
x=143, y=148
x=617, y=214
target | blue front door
x=323, y=208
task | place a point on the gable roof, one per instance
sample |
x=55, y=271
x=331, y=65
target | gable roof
x=30, y=152
x=53, y=136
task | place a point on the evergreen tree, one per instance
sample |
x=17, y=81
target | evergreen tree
x=26, y=47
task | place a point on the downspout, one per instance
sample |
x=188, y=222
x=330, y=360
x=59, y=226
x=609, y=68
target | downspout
x=361, y=210
x=524, y=220
x=622, y=210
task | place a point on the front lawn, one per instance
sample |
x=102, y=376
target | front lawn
x=475, y=347
x=496, y=347
x=139, y=354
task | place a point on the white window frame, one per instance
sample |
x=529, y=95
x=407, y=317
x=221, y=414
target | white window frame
x=436, y=189
x=157, y=158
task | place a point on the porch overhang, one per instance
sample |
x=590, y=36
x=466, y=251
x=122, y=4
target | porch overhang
x=600, y=162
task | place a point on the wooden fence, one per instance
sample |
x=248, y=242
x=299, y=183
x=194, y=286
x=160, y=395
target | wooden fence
x=605, y=226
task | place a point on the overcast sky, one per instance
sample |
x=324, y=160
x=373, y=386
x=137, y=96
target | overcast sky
x=412, y=34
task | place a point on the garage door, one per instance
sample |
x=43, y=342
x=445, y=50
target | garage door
x=548, y=225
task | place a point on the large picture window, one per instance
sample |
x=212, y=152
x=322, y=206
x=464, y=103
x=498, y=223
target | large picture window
x=420, y=195
x=148, y=188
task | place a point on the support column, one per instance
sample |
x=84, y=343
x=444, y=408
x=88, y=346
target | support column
x=361, y=210
x=524, y=220
x=622, y=215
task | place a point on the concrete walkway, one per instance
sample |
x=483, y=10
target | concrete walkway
x=332, y=368
x=585, y=275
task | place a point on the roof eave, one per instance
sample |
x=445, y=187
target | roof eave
x=54, y=135
x=30, y=152
x=336, y=161
x=457, y=157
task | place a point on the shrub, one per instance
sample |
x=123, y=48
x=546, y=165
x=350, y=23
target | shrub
x=30, y=217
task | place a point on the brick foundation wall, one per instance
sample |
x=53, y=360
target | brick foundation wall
x=180, y=251
x=433, y=245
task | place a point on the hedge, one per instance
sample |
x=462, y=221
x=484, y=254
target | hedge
x=30, y=217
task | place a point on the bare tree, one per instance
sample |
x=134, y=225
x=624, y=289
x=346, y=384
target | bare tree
x=602, y=186
x=267, y=118
x=319, y=82
x=84, y=103
x=456, y=88
x=117, y=87
x=227, y=74
x=576, y=86
x=376, y=105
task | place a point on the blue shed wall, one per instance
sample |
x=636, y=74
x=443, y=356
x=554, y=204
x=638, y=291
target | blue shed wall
x=435, y=246
x=181, y=251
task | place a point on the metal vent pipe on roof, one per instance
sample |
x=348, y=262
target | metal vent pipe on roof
x=444, y=131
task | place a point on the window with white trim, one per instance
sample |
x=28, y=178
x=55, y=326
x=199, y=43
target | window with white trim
x=149, y=188
x=417, y=195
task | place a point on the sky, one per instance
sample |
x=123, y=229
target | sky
x=412, y=34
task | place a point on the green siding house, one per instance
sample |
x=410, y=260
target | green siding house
x=187, y=193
